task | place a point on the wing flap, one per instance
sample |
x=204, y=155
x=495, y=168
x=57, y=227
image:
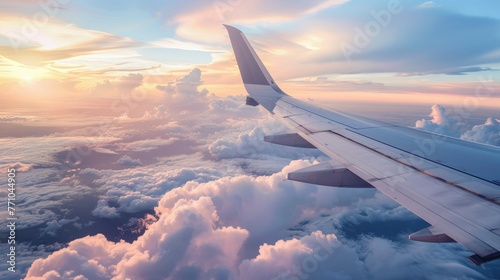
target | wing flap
x=328, y=174
x=431, y=234
x=289, y=139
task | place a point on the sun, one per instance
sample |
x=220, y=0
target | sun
x=27, y=78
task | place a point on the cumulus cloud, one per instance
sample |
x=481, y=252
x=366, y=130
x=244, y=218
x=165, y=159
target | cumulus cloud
x=487, y=133
x=315, y=256
x=103, y=210
x=440, y=123
x=198, y=246
x=183, y=93
x=444, y=123
x=122, y=85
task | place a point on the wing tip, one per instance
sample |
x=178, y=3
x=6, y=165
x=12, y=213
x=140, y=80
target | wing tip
x=231, y=28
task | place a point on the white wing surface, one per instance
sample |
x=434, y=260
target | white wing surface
x=452, y=184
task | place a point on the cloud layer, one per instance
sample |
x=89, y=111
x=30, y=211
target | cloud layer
x=213, y=230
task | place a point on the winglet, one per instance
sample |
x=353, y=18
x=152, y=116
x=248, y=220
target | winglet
x=252, y=70
x=258, y=82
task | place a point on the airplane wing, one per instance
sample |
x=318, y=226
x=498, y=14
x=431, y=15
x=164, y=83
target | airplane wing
x=452, y=184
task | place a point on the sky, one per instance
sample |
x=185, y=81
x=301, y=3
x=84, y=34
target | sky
x=138, y=159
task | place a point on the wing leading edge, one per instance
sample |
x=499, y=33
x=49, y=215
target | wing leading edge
x=424, y=172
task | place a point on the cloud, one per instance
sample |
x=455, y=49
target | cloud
x=196, y=242
x=460, y=51
x=18, y=166
x=128, y=161
x=42, y=44
x=398, y=46
x=45, y=188
x=15, y=118
x=440, y=123
x=183, y=93
x=444, y=123
x=39, y=45
x=122, y=85
x=204, y=22
x=53, y=226
x=487, y=133
x=315, y=256
x=248, y=149
x=251, y=144
x=429, y=4
x=190, y=224
x=140, y=189
x=452, y=71
x=170, y=43
x=148, y=144
x=25, y=255
x=415, y=259
x=103, y=210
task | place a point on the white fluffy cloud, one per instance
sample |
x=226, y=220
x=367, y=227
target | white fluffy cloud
x=445, y=123
x=315, y=256
x=440, y=123
x=488, y=133
x=189, y=242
